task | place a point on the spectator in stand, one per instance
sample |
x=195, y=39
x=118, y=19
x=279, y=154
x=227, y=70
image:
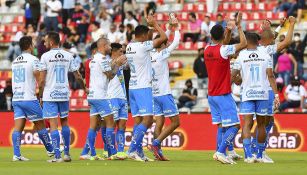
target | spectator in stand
x=294, y=95
x=206, y=26
x=97, y=32
x=105, y=20
x=78, y=13
x=212, y=6
x=52, y=8
x=296, y=9
x=68, y=9
x=150, y=8
x=82, y=28
x=14, y=49
x=220, y=20
x=41, y=48
x=8, y=92
x=284, y=66
x=129, y=33
x=32, y=12
x=122, y=34
x=113, y=35
x=194, y=26
x=199, y=69
x=297, y=48
x=130, y=20
x=130, y=6
x=281, y=89
x=188, y=97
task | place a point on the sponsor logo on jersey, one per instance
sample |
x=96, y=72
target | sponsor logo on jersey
x=255, y=94
x=56, y=94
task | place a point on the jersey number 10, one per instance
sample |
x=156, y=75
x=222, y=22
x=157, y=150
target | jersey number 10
x=60, y=73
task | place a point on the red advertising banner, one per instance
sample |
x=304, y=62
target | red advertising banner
x=195, y=132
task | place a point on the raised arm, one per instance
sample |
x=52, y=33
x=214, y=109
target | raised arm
x=80, y=80
x=115, y=65
x=243, y=41
x=288, y=39
x=294, y=62
x=157, y=42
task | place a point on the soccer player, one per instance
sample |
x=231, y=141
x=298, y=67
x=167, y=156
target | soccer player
x=140, y=88
x=25, y=74
x=101, y=73
x=117, y=95
x=256, y=68
x=266, y=41
x=222, y=105
x=164, y=103
x=84, y=154
x=54, y=91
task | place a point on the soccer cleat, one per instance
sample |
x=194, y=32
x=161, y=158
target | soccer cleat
x=135, y=156
x=267, y=158
x=231, y=160
x=221, y=158
x=105, y=154
x=67, y=158
x=163, y=158
x=250, y=160
x=122, y=155
x=263, y=160
x=147, y=159
x=115, y=157
x=50, y=154
x=96, y=158
x=20, y=158
x=155, y=151
x=85, y=157
x=234, y=156
x=60, y=160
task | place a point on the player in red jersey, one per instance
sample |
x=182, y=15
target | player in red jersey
x=222, y=105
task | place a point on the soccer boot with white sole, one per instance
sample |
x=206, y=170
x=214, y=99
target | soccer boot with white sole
x=221, y=158
x=234, y=156
x=67, y=158
x=85, y=157
x=59, y=160
x=20, y=158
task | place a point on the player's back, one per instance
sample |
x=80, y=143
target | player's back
x=253, y=64
x=98, y=85
x=160, y=73
x=218, y=71
x=23, y=80
x=57, y=63
x=139, y=61
x=116, y=87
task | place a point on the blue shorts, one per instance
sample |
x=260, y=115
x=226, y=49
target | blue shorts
x=271, y=103
x=165, y=106
x=52, y=109
x=28, y=109
x=258, y=107
x=223, y=110
x=102, y=107
x=141, y=102
x=120, y=109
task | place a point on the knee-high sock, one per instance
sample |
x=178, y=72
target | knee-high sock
x=137, y=138
x=254, y=143
x=260, y=149
x=16, y=138
x=268, y=129
x=120, y=140
x=247, y=147
x=111, y=141
x=45, y=138
x=219, y=137
x=66, y=139
x=55, y=137
x=91, y=137
x=104, y=138
x=228, y=137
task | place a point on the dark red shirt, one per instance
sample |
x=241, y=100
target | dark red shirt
x=87, y=72
x=218, y=71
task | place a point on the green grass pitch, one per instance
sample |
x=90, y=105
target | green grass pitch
x=182, y=163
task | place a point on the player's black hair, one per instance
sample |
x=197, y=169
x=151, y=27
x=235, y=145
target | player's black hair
x=141, y=30
x=116, y=46
x=252, y=38
x=217, y=32
x=97, y=24
x=93, y=46
x=55, y=37
x=25, y=43
x=219, y=15
x=67, y=45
